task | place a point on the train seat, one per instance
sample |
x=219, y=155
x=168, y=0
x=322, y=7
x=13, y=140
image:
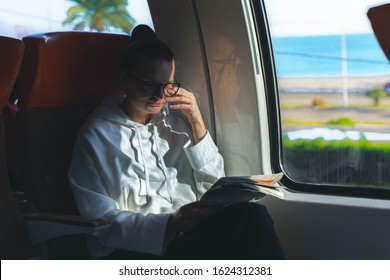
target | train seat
x=379, y=17
x=11, y=54
x=63, y=76
x=13, y=238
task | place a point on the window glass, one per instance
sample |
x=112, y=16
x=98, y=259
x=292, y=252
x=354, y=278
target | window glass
x=23, y=17
x=333, y=82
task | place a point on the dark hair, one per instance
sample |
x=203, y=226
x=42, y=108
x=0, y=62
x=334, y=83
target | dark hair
x=144, y=45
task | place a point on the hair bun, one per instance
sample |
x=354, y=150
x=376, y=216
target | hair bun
x=142, y=31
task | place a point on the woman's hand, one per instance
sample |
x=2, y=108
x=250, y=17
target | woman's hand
x=188, y=216
x=186, y=102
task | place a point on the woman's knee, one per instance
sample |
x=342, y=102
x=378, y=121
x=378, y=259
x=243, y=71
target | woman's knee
x=252, y=209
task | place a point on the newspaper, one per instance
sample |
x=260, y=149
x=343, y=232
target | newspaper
x=233, y=189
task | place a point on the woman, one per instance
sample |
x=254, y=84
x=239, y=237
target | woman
x=136, y=165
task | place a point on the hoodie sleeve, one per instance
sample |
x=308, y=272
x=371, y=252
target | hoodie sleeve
x=206, y=161
x=128, y=230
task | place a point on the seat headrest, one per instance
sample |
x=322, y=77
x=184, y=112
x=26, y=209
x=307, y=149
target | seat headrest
x=11, y=55
x=66, y=68
x=379, y=17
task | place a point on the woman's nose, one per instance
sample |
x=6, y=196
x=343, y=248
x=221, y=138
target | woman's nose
x=158, y=93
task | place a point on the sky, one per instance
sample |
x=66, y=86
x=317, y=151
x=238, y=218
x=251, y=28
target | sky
x=324, y=17
x=21, y=17
x=287, y=17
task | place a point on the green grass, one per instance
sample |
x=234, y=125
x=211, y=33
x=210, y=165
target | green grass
x=342, y=121
x=326, y=123
x=303, y=122
x=312, y=146
x=332, y=106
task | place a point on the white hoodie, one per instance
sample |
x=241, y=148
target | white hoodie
x=135, y=175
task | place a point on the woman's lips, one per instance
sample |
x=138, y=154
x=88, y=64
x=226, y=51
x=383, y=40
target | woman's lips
x=154, y=104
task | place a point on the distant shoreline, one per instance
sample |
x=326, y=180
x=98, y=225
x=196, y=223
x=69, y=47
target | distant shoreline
x=330, y=84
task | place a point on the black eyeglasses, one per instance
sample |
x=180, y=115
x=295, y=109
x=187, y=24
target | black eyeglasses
x=151, y=88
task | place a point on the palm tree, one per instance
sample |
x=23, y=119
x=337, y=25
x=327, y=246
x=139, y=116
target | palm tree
x=99, y=15
x=376, y=94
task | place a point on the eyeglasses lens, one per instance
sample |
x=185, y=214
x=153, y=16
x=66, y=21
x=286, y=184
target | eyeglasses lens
x=171, y=89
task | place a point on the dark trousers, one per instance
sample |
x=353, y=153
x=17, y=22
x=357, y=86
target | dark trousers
x=238, y=231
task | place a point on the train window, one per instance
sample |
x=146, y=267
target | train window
x=24, y=17
x=333, y=83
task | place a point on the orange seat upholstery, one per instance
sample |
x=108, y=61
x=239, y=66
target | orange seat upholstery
x=11, y=55
x=380, y=21
x=13, y=239
x=67, y=68
x=63, y=76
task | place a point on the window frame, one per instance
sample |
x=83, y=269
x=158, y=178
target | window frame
x=274, y=124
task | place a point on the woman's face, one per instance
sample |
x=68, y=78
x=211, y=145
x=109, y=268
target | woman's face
x=141, y=103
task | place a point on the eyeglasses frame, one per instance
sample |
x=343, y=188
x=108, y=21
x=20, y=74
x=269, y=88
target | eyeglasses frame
x=162, y=85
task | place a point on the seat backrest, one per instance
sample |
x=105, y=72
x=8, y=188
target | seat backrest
x=12, y=234
x=63, y=76
x=380, y=21
x=11, y=55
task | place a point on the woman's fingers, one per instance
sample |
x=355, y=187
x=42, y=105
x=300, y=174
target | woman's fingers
x=185, y=101
x=195, y=210
x=189, y=216
x=183, y=97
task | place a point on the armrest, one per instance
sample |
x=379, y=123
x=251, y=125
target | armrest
x=46, y=226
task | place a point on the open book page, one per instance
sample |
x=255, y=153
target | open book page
x=234, y=189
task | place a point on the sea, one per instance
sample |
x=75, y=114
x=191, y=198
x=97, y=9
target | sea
x=322, y=56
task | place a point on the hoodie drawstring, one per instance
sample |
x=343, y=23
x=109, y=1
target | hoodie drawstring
x=162, y=164
x=144, y=191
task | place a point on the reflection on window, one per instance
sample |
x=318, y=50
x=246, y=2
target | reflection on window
x=334, y=82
